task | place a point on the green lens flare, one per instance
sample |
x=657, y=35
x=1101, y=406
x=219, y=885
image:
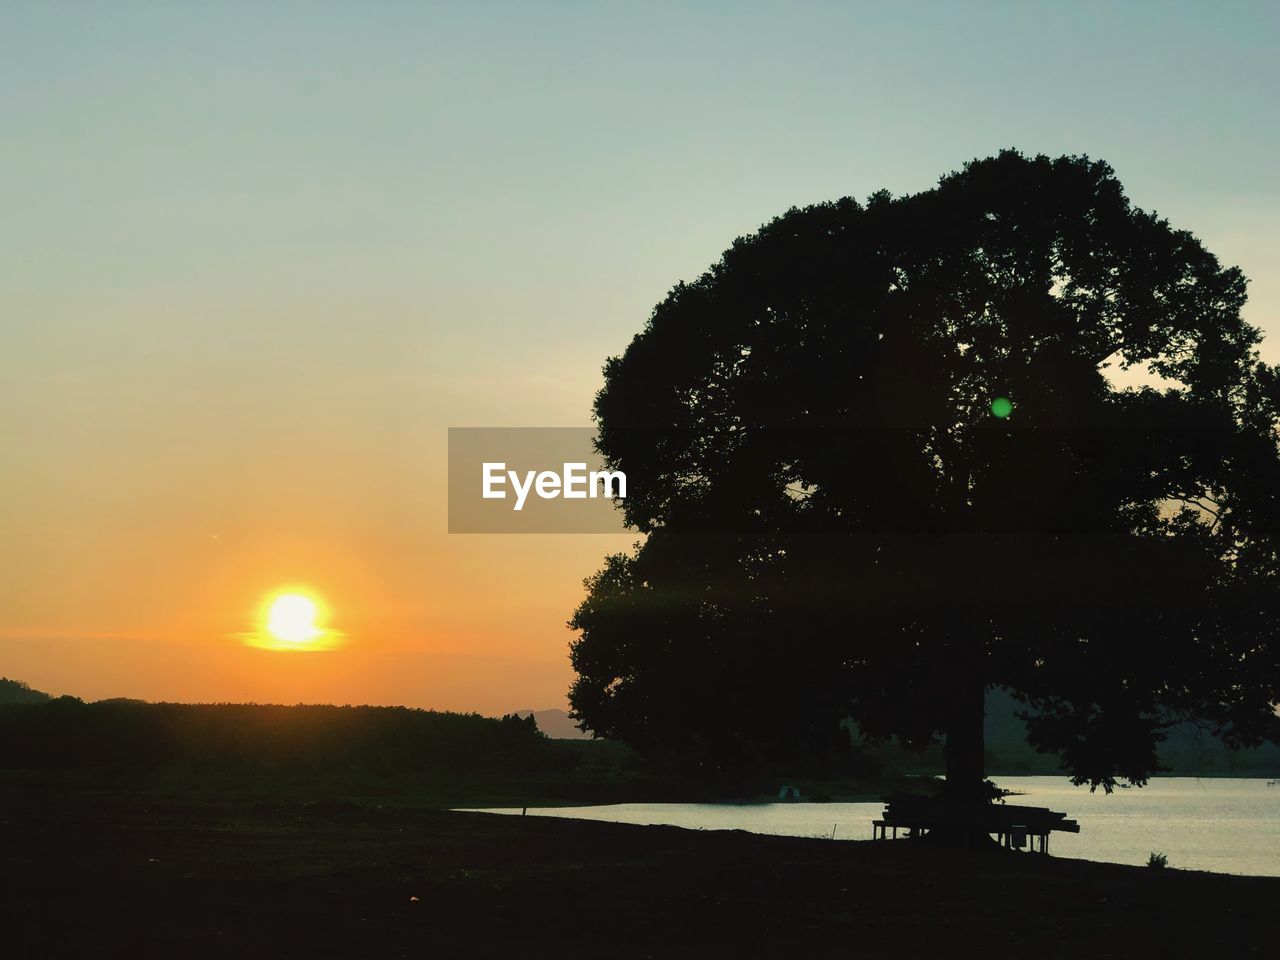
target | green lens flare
x=1001, y=407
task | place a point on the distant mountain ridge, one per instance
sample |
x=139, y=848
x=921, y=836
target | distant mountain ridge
x=555, y=724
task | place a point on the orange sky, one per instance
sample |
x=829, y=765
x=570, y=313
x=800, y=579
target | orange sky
x=139, y=583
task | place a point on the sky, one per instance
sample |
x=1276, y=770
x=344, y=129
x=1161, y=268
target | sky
x=257, y=258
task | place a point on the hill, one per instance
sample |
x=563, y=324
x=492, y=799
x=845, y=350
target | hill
x=15, y=691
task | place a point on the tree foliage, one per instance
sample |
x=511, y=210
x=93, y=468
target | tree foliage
x=837, y=526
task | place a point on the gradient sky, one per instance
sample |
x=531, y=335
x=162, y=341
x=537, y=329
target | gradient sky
x=256, y=258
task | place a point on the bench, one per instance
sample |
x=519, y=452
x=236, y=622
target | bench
x=1012, y=825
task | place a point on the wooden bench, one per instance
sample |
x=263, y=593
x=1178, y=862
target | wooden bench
x=1011, y=824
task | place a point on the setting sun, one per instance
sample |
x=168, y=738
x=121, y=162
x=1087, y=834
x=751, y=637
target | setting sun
x=292, y=618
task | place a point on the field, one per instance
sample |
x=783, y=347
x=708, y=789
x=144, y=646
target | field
x=98, y=869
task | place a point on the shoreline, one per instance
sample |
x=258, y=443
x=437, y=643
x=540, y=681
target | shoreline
x=1223, y=826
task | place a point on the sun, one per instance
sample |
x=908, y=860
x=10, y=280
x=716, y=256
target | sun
x=292, y=617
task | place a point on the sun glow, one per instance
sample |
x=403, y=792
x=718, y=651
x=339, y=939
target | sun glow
x=293, y=619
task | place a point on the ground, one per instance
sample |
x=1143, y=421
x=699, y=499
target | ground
x=145, y=873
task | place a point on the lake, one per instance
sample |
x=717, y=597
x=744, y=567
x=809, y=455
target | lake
x=1219, y=824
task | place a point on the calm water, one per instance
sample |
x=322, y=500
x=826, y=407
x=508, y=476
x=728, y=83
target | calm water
x=1231, y=826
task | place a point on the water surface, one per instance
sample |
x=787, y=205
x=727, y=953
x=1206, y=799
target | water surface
x=1225, y=825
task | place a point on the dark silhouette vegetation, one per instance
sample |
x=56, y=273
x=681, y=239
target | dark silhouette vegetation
x=467, y=757
x=846, y=524
x=67, y=732
x=15, y=691
x=344, y=751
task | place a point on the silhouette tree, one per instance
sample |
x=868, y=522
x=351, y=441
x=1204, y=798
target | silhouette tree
x=882, y=465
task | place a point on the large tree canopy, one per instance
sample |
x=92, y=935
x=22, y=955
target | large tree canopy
x=839, y=526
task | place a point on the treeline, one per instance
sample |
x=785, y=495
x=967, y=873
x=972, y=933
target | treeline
x=1184, y=751
x=15, y=691
x=67, y=732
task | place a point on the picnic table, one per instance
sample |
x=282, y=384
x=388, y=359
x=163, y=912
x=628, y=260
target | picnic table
x=1012, y=825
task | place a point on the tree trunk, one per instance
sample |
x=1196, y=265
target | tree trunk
x=966, y=746
x=965, y=793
